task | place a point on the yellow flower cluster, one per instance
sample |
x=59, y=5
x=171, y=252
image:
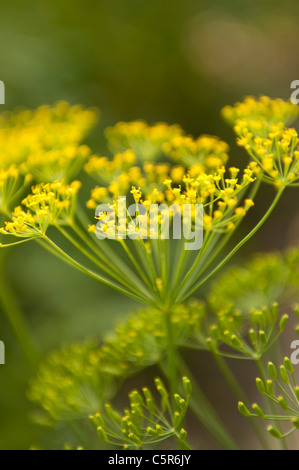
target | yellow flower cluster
x=204, y=152
x=36, y=138
x=10, y=183
x=146, y=141
x=261, y=113
x=41, y=145
x=277, y=155
x=261, y=129
x=61, y=164
x=104, y=170
x=51, y=203
x=48, y=149
x=218, y=194
x=150, y=176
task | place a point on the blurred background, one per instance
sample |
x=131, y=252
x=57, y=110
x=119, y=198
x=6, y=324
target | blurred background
x=165, y=60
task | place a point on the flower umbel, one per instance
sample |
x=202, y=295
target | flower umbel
x=146, y=141
x=144, y=423
x=49, y=204
x=260, y=114
x=204, y=152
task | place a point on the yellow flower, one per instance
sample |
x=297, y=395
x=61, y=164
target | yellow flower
x=210, y=190
x=204, y=153
x=276, y=156
x=104, y=170
x=49, y=204
x=145, y=141
x=259, y=114
x=11, y=187
x=45, y=141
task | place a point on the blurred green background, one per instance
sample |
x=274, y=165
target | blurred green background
x=163, y=60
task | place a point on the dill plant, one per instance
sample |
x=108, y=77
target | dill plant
x=158, y=164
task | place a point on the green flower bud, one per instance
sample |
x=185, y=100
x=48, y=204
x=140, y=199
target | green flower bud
x=258, y=411
x=181, y=403
x=150, y=403
x=282, y=402
x=269, y=387
x=187, y=386
x=176, y=419
x=132, y=428
x=284, y=374
x=137, y=411
x=113, y=415
x=296, y=310
x=255, y=317
x=263, y=337
x=182, y=435
x=159, y=429
x=253, y=336
x=151, y=431
x=288, y=365
x=283, y=322
x=161, y=387
x=244, y=410
x=260, y=386
x=236, y=342
x=215, y=332
x=274, y=432
x=135, y=397
x=212, y=346
x=272, y=371
x=101, y=434
x=97, y=420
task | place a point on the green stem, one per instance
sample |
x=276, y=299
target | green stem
x=104, y=252
x=149, y=262
x=116, y=265
x=17, y=323
x=182, y=297
x=272, y=405
x=183, y=445
x=69, y=260
x=240, y=395
x=205, y=412
x=135, y=263
x=171, y=355
x=103, y=267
